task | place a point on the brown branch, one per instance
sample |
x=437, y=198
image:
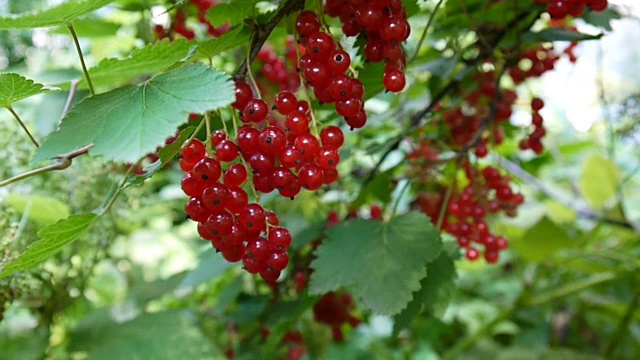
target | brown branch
x=63, y=162
x=261, y=33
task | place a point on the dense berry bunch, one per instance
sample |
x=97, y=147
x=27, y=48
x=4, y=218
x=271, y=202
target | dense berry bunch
x=384, y=25
x=559, y=9
x=488, y=192
x=324, y=68
x=192, y=8
x=279, y=71
x=289, y=157
x=335, y=310
x=534, y=142
x=240, y=230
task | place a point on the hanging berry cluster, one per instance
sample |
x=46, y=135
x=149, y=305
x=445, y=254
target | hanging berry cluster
x=240, y=230
x=278, y=71
x=334, y=310
x=534, y=141
x=384, y=25
x=323, y=68
x=559, y=9
x=488, y=192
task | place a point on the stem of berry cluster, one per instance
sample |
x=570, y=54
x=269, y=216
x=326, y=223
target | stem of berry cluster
x=23, y=126
x=423, y=36
x=207, y=122
x=72, y=30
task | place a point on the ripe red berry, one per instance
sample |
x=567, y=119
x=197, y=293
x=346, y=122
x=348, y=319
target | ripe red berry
x=243, y=95
x=332, y=137
x=279, y=239
x=193, y=152
x=235, y=175
x=226, y=151
x=255, y=111
x=272, y=140
x=252, y=218
x=207, y=170
x=394, y=80
x=327, y=158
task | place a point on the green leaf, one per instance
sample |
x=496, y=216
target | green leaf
x=379, y=189
x=238, y=36
x=52, y=239
x=61, y=14
x=371, y=77
x=166, y=154
x=211, y=265
x=381, y=264
x=172, y=150
x=25, y=346
x=549, y=35
x=14, y=88
x=233, y=12
x=541, y=241
x=435, y=291
x=602, y=18
x=141, y=62
x=127, y=123
x=164, y=335
x=42, y=210
x=599, y=181
x=308, y=234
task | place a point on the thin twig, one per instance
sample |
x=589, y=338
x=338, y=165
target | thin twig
x=72, y=30
x=24, y=127
x=63, y=162
x=426, y=29
x=70, y=97
x=109, y=202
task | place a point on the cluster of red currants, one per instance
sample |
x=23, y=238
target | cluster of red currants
x=277, y=70
x=534, y=63
x=240, y=230
x=335, y=310
x=272, y=153
x=559, y=9
x=385, y=25
x=534, y=142
x=198, y=9
x=488, y=192
x=323, y=67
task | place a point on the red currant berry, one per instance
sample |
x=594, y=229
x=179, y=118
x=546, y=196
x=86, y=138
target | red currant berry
x=394, y=80
x=194, y=152
x=215, y=197
x=226, y=151
x=272, y=140
x=235, y=175
x=255, y=111
x=279, y=239
x=332, y=137
x=243, y=95
x=310, y=177
x=207, y=170
x=252, y=218
x=327, y=158
x=237, y=199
